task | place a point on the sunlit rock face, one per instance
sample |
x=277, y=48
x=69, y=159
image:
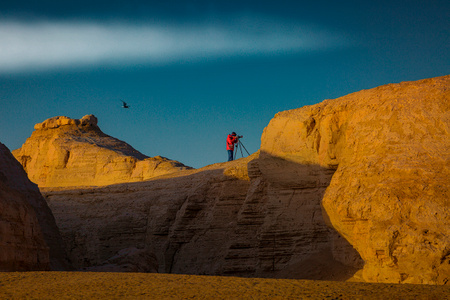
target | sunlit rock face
x=389, y=196
x=75, y=152
x=29, y=238
x=356, y=183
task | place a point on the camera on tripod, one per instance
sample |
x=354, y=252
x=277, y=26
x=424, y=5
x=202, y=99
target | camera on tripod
x=239, y=146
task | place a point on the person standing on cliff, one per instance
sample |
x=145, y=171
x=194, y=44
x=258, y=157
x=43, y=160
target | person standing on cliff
x=231, y=140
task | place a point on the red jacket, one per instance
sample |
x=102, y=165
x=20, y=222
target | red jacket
x=231, y=140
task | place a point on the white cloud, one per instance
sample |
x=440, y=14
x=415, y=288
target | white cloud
x=44, y=45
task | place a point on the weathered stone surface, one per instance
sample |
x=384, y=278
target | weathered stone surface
x=368, y=171
x=71, y=152
x=29, y=238
x=389, y=196
x=128, y=260
x=223, y=219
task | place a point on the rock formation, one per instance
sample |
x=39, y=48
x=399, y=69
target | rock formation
x=389, y=196
x=128, y=260
x=71, y=152
x=29, y=238
x=368, y=171
x=224, y=219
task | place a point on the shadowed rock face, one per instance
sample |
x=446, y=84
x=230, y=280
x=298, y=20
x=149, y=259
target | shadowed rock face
x=71, y=152
x=29, y=238
x=224, y=219
x=128, y=260
x=368, y=171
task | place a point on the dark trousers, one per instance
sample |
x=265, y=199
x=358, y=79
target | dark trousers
x=230, y=155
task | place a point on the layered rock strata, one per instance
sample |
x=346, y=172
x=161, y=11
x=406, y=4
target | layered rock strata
x=225, y=219
x=75, y=152
x=29, y=238
x=368, y=171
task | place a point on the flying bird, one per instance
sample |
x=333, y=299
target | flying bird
x=124, y=104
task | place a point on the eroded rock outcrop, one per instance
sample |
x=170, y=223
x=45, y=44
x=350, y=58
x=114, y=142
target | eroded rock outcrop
x=224, y=219
x=29, y=238
x=71, y=152
x=389, y=196
x=368, y=171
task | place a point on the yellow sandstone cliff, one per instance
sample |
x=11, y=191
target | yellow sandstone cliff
x=71, y=152
x=389, y=196
x=355, y=186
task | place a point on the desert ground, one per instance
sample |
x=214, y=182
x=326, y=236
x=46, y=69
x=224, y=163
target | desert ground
x=91, y=285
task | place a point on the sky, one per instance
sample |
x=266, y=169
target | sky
x=194, y=71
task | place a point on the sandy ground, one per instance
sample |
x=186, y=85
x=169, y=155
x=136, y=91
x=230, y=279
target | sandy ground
x=90, y=285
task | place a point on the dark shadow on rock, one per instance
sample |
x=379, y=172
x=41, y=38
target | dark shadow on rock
x=212, y=221
x=16, y=191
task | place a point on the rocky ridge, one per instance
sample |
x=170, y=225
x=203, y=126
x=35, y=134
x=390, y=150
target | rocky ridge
x=75, y=152
x=355, y=183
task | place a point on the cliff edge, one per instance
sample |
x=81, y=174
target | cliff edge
x=389, y=196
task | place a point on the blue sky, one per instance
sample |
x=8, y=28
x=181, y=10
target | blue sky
x=193, y=71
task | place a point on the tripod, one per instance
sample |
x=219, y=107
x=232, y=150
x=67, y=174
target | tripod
x=239, y=143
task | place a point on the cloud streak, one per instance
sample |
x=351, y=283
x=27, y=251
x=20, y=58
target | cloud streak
x=43, y=45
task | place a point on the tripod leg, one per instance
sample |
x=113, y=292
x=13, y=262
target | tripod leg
x=242, y=145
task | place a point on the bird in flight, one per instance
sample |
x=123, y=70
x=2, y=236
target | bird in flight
x=124, y=104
